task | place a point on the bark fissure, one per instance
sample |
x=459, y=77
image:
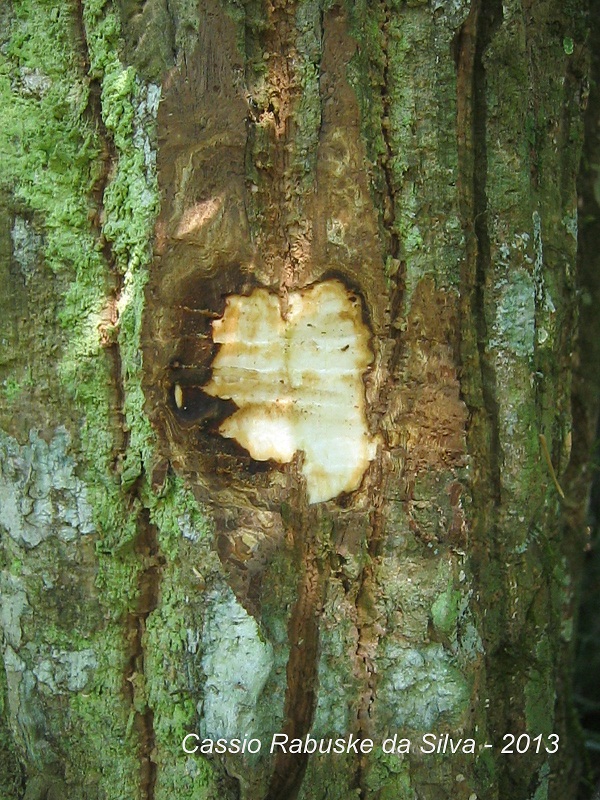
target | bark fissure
x=486, y=22
x=278, y=194
x=368, y=630
x=585, y=398
x=146, y=544
x=109, y=155
x=108, y=160
x=284, y=235
x=147, y=549
x=389, y=204
x=303, y=635
x=393, y=251
x=478, y=380
x=486, y=19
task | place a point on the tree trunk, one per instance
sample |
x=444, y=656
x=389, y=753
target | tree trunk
x=169, y=170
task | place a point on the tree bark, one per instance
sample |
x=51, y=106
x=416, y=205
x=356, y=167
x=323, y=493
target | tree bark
x=158, y=159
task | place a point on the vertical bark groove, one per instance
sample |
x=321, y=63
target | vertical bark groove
x=368, y=633
x=108, y=160
x=471, y=43
x=586, y=428
x=478, y=383
x=146, y=544
x=303, y=635
x=489, y=16
x=148, y=552
x=388, y=215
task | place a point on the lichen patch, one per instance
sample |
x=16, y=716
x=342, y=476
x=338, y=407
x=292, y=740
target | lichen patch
x=297, y=382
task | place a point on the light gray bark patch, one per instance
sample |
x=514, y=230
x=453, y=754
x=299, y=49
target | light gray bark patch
x=65, y=671
x=421, y=687
x=25, y=713
x=188, y=529
x=27, y=245
x=33, y=82
x=14, y=605
x=237, y=662
x=514, y=327
x=40, y=495
x=144, y=117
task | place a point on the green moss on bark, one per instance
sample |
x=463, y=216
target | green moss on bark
x=11, y=772
x=53, y=152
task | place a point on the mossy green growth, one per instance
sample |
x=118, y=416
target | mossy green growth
x=50, y=148
x=16, y=567
x=445, y=610
x=130, y=208
x=485, y=771
x=335, y=673
x=50, y=145
x=540, y=692
x=100, y=716
x=543, y=787
x=11, y=778
x=190, y=779
x=176, y=513
x=13, y=388
x=308, y=112
x=366, y=75
x=170, y=642
x=389, y=775
x=250, y=19
x=381, y=73
x=48, y=160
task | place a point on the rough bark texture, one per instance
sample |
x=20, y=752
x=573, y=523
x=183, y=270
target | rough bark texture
x=586, y=407
x=158, y=156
